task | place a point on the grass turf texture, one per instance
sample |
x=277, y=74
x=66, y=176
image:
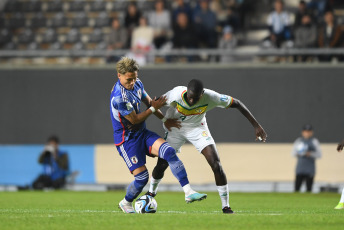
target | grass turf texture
x=98, y=210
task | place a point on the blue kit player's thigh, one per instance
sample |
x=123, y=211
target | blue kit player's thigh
x=133, y=152
x=150, y=138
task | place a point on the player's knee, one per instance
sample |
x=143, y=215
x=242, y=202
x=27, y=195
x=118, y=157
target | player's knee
x=167, y=153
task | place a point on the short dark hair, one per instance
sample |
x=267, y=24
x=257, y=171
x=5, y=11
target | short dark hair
x=54, y=138
x=196, y=86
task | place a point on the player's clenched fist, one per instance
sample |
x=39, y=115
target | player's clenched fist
x=158, y=103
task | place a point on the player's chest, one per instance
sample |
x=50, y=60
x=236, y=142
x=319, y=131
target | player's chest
x=186, y=110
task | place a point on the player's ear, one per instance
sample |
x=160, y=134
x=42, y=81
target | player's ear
x=118, y=75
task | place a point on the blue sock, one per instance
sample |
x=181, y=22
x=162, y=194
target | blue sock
x=167, y=153
x=136, y=187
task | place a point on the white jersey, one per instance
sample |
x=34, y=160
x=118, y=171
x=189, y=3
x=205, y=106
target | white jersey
x=194, y=115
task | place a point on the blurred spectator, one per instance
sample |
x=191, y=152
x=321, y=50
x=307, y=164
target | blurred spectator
x=307, y=149
x=183, y=34
x=205, y=25
x=55, y=166
x=279, y=25
x=305, y=35
x=117, y=39
x=131, y=20
x=142, y=41
x=319, y=7
x=227, y=42
x=329, y=36
x=181, y=7
x=231, y=20
x=301, y=11
x=160, y=21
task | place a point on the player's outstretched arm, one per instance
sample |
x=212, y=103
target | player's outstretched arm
x=340, y=146
x=135, y=118
x=169, y=123
x=259, y=131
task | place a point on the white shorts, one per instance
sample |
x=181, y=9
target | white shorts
x=199, y=136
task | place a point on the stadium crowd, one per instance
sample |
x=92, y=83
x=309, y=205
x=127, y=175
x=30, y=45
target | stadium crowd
x=145, y=25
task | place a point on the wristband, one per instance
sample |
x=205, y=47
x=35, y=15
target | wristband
x=164, y=119
x=152, y=108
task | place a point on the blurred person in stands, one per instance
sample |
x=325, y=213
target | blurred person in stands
x=117, y=39
x=142, y=42
x=302, y=11
x=205, y=23
x=55, y=166
x=160, y=21
x=305, y=35
x=279, y=26
x=131, y=20
x=319, y=7
x=183, y=34
x=181, y=7
x=231, y=20
x=340, y=205
x=329, y=36
x=227, y=42
x=307, y=149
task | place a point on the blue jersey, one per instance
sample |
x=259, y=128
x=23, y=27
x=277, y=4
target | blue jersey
x=122, y=103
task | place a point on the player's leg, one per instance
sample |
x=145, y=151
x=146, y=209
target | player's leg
x=309, y=183
x=213, y=159
x=162, y=149
x=176, y=141
x=201, y=138
x=298, y=182
x=340, y=205
x=134, y=156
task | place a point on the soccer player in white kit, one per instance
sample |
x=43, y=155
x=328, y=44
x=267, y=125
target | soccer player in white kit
x=340, y=205
x=189, y=105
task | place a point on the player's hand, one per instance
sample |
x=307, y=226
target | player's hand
x=158, y=103
x=340, y=146
x=260, y=133
x=169, y=123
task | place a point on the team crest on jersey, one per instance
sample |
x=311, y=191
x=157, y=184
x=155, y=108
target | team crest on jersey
x=139, y=92
x=134, y=160
x=224, y=98
x=204, y=134
x=129, y=106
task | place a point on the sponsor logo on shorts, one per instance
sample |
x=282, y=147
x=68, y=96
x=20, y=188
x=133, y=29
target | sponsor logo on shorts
x=134, y=160
x=204, y=134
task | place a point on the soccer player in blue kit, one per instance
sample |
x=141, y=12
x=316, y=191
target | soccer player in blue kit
x=134, y=141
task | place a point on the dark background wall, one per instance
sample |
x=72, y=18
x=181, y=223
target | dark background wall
x=74, y=103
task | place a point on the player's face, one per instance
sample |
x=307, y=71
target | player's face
x=192, y=97
x=128, y=79
x=307, y=134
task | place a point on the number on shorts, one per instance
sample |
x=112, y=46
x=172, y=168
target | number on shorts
x=182, y=117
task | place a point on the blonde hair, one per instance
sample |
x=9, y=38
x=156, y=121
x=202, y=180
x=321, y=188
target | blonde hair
x=126, y=65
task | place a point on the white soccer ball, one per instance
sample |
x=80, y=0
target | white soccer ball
x=146, y=204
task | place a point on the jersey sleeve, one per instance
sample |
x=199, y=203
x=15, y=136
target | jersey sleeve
x=171, y=96
x=124, y=107
x=219, y=100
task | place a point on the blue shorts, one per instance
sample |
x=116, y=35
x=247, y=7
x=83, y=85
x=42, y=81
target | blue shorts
x=135, y=149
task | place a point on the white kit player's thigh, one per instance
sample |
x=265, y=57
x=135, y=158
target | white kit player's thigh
x=200, y=137
x=175, y=139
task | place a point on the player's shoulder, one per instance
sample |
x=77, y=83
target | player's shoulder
x=177, y=91
x=118, y=93
x=139, y=82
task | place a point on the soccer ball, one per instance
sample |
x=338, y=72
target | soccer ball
x=146, y=204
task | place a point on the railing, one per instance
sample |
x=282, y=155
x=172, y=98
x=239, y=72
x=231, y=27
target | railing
x=173, y=52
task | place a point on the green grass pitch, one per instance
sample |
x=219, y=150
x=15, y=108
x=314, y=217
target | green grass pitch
x=98, y=210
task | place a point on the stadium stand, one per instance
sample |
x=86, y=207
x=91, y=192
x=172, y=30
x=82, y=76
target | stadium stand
x=88, y=22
